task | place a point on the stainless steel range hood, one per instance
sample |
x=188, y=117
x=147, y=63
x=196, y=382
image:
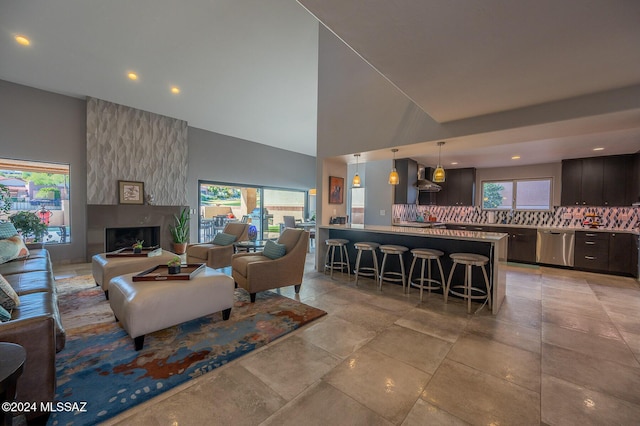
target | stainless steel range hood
x=424, y=184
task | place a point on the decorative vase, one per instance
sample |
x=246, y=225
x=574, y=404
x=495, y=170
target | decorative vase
x=175, y=269
x=137, y=250
x=253, y=232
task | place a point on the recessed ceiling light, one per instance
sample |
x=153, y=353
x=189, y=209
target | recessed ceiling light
x=20, y=39
x=598, y=149
x=515, y=157
x=175, y=90
x=454, y=163
x=132, y=76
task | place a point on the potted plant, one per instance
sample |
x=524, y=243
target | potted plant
x=174, y=265
x=180, y=232
x=29, y=225
x=137, y=246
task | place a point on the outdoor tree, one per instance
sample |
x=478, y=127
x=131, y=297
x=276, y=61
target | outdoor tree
x=492, y=195
x=5, y=200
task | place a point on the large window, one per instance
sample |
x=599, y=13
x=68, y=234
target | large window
x=526, y=194
x=265, y=208
x=40, y=189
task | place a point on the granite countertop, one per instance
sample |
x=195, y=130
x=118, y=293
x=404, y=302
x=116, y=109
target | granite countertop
x=424, y=232
x=635, y=231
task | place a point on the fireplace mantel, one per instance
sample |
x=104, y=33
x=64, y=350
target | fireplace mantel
x=103, y=216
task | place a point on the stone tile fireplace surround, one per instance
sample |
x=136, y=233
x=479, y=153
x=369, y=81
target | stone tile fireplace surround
x=100, y=217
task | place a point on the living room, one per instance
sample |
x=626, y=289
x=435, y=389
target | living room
x=378, y=357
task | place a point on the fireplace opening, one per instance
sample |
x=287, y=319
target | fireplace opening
x=117, y=238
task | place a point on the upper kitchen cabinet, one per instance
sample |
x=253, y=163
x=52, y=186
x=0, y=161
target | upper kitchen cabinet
x=406, y=192
x=458, y=189
x=597, y=181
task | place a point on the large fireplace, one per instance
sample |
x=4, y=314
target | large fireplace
x=117, y=238
x=129, y=223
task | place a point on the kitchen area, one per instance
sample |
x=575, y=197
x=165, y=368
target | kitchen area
x=591, y=225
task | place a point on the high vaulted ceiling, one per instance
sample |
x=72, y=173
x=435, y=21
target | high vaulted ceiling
x=248, y=68
x=245, y=68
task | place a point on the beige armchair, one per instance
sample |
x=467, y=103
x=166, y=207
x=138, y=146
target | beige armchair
x=256, y=272
x=216, y=256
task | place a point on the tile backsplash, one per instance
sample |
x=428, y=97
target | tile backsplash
x=625, y=218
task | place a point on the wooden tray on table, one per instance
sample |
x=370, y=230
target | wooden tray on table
x=128, y=252
x=161, y=273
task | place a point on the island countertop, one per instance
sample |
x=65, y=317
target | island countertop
x=491, y=244
x=423, y=232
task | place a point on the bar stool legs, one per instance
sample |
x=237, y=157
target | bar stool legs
x=366, y=271
x=330, y=262
x=392, y=276
x=422, y=282
x=469, y=260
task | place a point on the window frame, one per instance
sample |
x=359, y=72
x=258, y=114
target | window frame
x=514, y=183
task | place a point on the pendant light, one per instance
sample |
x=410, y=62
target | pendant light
x=438, y=173
x=394, y=179
x=356, y=178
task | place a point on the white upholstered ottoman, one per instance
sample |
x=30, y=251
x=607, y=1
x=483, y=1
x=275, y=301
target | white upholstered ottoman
x=104, y=268
x=146, y=306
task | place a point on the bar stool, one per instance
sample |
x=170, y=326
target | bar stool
x=366, y=271
x=330, y=262
x=469, y=260
x=392, y=276
x=426, y=255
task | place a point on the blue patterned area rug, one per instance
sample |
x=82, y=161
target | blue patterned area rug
x=100, y=366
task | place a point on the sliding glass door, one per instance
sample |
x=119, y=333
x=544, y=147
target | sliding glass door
x=221, y=203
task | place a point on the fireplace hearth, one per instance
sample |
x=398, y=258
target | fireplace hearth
x=154, y=221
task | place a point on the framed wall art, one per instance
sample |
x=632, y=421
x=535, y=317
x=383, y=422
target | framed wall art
x=130, y=192
x=336, y=190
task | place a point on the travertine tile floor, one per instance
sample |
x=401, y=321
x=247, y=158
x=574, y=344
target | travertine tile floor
x=563, y=350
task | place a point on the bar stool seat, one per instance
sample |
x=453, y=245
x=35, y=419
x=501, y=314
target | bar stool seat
x=392, y=276
x=366, y=271
x=467, y=289
x=422, y=282
x=330, y=262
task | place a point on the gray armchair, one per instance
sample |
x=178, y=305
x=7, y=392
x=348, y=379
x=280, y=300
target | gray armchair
x=256, y=272
x=216, y=256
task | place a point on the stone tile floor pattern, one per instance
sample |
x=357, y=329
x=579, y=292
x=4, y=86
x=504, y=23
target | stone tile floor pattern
x=564, y=349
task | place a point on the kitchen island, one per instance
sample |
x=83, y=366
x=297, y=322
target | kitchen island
x=490, y=244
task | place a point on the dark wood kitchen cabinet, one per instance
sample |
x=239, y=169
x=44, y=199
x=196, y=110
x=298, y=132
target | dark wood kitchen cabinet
x=592, y=251
x=620, y=247
x=598, y=181
x=611, y=252
x=522, y=245
x=406, y=192
x=458, y=189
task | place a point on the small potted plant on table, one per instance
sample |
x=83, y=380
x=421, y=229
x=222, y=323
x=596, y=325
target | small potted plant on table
x=174, y=265
x=137, y=246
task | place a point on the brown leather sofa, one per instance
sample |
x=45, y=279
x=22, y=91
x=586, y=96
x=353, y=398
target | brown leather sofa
x=35, y=325
x=256, y=272
x=216, y=256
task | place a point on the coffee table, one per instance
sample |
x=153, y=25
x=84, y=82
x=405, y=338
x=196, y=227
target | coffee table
x=249, y=245
x=143, y=307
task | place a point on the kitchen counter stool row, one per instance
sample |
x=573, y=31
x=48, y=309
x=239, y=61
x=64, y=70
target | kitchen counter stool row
x=466, y=290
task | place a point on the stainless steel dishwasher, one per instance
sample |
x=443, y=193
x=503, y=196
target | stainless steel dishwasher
x=555, y=247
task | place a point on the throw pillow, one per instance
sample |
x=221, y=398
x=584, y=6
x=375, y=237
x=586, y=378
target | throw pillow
x=4, y=315
x=7, y=230
x=8, y=297
x=274, y=250
x=12, y=248
x=222, y=239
